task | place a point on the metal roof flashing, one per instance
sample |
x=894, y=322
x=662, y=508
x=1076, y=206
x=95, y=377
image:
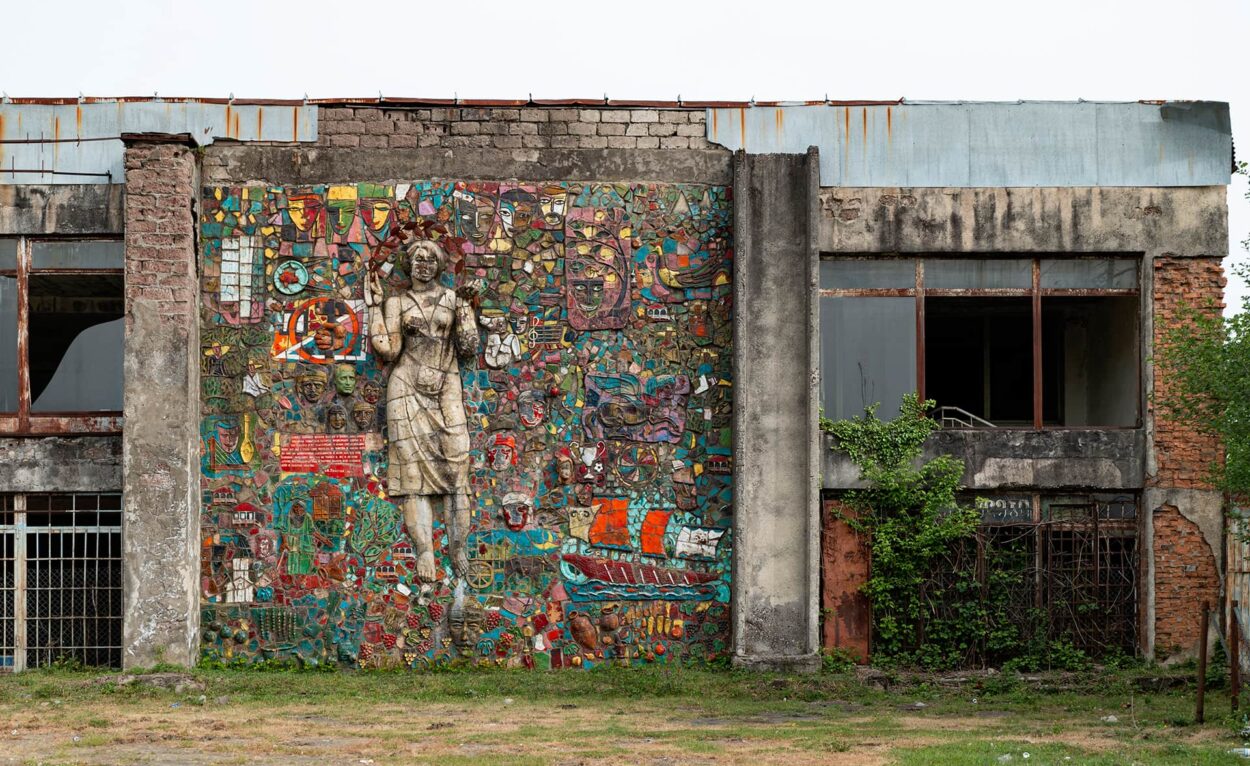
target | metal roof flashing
x=983, y=144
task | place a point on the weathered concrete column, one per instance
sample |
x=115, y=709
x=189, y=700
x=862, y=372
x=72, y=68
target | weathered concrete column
x=776, y=449
x=160, y=445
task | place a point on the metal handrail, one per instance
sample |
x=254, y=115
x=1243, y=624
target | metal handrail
x=955, y=417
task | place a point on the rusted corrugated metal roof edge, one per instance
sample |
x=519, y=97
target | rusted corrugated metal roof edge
x=461, y=102
x=395, y=101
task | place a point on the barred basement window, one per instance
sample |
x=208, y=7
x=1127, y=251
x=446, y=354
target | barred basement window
x=61, y=580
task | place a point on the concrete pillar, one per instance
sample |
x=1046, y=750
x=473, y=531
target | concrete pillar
x=160, y=442
x=776, y=446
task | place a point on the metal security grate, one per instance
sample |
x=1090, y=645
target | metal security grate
x=63, y=580
x=8, y=586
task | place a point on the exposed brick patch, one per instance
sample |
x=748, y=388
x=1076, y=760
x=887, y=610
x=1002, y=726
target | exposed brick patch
x=1185, y=576
x=536, y=128
x=160, y=232
x=1183, y=456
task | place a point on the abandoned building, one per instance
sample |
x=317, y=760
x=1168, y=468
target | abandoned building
x=234, y=337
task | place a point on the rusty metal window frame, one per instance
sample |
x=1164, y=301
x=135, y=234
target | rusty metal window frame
x=23, y=422
x=61, y=586
x=1035, y=292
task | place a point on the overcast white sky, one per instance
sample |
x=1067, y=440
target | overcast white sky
x=959, y=49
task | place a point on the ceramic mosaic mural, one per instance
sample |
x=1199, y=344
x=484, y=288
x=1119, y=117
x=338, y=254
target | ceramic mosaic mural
x=466, y=422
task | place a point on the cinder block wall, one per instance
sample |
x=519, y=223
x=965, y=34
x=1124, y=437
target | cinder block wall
x=536, y=128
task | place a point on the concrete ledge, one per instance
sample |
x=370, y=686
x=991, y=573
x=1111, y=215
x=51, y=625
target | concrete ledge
x=241, y=164
x=1046, y=220
x=803, y=663
x=1017, y=459
x=61, y=464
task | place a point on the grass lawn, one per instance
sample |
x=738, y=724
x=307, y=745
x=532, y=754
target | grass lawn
x=638, y=716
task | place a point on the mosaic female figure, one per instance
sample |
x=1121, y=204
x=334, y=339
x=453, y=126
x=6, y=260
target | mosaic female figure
x=425, y=329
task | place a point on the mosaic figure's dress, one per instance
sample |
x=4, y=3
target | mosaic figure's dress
x=427, y=433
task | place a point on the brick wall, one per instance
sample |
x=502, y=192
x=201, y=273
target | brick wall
x=1186, y=570
x=1185, y=576
x=533, y=128
x=1183, y=456
x=160, y=230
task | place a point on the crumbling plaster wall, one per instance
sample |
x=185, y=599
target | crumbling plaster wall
x=83, y=463
x=1184, y=231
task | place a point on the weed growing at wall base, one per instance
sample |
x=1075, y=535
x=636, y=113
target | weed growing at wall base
x=944, y=592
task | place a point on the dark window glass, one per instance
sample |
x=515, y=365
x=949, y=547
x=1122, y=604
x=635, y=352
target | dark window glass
x=8, y=325
x=876, y=273
x=1102, y=273
x=76, y=342
x=868, y=354
x=980, y=273
x=76, y=255
x=8, y=254
x=8, y=343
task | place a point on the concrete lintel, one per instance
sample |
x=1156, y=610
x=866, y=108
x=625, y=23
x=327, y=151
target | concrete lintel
x=242, y=164
x=69, y=209
x=1006, y=221
x=61, y=464
x=776, y=443
x=1019, y=459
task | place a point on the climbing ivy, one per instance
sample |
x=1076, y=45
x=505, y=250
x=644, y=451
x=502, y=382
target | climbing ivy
x=908, y=509
x=942, y=596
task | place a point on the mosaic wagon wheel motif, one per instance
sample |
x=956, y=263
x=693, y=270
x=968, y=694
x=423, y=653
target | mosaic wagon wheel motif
x=481, y=574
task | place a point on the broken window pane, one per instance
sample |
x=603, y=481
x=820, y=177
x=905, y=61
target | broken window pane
x=860, y=274
x=978, y=273
x=77, y=254
x=1102, y=273
x=868, y=354
x=76, y=342
x=8, y=325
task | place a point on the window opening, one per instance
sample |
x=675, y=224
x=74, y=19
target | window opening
x=978, y=357
x=61, y=335
x=997, y=342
